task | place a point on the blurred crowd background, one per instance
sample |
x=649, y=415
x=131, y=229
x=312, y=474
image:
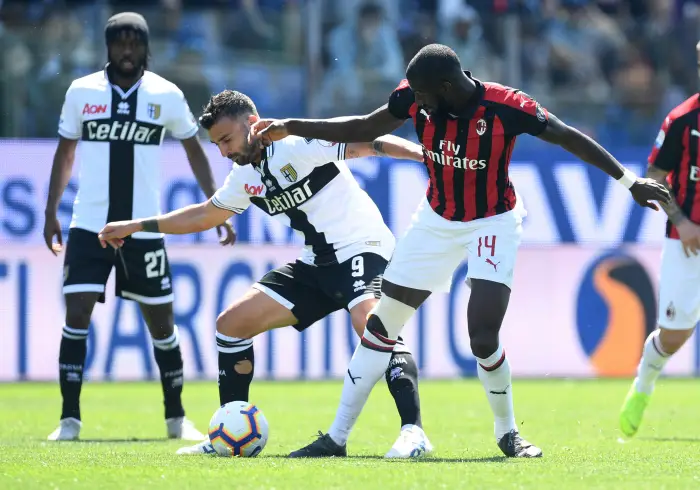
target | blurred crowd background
x=612, y=67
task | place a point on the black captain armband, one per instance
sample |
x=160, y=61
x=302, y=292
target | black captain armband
x=150, y=225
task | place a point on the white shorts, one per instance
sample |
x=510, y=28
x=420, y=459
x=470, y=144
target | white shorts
x=679, y=287
x=433, y=247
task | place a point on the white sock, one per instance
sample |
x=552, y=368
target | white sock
x=653, y=361
x=494, y=373
x=366, y=367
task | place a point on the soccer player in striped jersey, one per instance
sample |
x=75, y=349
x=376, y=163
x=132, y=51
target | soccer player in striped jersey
x=299, y=183
x=468, y=129
x=116, y=119
x=675, y=162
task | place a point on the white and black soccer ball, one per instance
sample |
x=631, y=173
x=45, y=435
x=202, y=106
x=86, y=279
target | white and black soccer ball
x=238, y=429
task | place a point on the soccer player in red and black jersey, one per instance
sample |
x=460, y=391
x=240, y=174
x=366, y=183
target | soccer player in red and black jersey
x=468, y=129
x=674, y=161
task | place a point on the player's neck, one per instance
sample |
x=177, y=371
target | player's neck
x=258, y=158
x=123, y=82
x=465, y=91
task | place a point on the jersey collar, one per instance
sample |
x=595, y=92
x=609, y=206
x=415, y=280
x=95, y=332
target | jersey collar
x=474, y=101
x=265, y=154
x=122, y=94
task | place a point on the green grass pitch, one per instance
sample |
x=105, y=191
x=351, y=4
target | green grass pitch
x=575, y=423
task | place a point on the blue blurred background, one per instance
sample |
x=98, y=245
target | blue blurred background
x=612, y=67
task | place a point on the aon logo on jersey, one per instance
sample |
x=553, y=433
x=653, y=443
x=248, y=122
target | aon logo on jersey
x=129, y=131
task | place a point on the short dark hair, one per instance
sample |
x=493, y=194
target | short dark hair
x=434, y=60
x=228, y=103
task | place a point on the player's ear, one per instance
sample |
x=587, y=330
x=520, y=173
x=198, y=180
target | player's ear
x=252, y=119
x=445, y=87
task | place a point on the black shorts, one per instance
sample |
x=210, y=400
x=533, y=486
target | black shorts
x=143, y=275
x=314, y=292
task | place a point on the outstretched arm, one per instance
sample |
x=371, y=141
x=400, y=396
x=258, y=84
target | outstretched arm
x=351, y=129
x=190, y=219
x=202, y=172
x=386, y=146
x=578, y=144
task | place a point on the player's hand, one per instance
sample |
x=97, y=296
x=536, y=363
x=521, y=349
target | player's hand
x=268, y=130
x=227, y=235
x=646, y=190
x=52, y=228
x=114, y=233
x=689, y=234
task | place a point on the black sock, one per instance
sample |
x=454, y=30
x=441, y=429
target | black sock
x=402, y=378
x=169, y=359
x=71, y=359
x=236, y=368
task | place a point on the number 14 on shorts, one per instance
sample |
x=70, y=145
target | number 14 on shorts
x=486, y=246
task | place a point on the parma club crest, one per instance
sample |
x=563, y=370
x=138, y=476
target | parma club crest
x=154, y=111
x=289, y=173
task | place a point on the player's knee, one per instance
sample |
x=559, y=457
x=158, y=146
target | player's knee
x=234, y=323
x=388, y=317
x=673, y=340
x=484, y=344
x=359, y=315
x=78, y=314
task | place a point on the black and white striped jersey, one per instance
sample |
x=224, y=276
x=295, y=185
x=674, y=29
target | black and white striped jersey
x=121, y=135
x=305, y=184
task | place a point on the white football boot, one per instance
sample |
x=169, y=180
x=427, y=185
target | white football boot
x=203, y=447
x=183, y=428
x=412, y=443
x=67, y=430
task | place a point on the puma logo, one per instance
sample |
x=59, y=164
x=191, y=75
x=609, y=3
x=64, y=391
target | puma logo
x=353, y=378
x=495, y=265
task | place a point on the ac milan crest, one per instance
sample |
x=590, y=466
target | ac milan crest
x=671, y=311
x=480, y=127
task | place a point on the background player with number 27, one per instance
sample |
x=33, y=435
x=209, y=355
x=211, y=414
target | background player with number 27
x=468, y=129
x=119, y=115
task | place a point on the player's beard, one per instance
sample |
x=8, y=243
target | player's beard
x=252, y=155
x=133, y=72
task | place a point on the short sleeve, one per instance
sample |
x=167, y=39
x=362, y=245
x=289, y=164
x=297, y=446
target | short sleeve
x=531, y=118
x=181, y=123
x=401, y=100
x=317, y=152
x=70, y=122
x=232, y=196
x=520, y=113
x=668, y=148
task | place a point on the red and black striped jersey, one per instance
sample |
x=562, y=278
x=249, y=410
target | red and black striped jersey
x=676, y=151
x=468, y=154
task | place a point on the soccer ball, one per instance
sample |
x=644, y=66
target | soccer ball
x=238, y=429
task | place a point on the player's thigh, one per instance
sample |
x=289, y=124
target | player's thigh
x=86, y=268
x=355, y=285
x=143, y=272
x=426, y=257
x=492, y=249
x=296, y=287
x=679, y=294
x=252, y=314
